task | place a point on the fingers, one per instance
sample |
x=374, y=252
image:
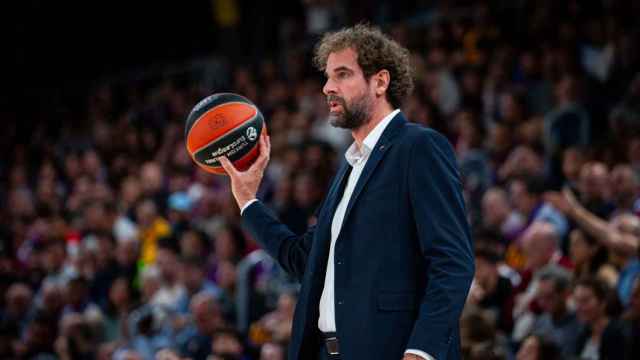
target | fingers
x=265, y=150
x=228, y=166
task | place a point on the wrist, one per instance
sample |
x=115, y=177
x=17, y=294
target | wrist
x=246, y=205
x=243, y=202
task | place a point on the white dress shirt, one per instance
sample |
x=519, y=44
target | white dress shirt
x=357, y=158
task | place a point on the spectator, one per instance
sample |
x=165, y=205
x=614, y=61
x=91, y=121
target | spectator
x=127, y=253
x=276, y=325
x=195, y=282
x=193, y=243
x=536, y=347
x=573, y=159
x=152, y=228
x=122, y=300
x=593, y=189
x=149, y=331
x=625, y=116
x=625, y=186
x=526, y=196
x=38, y=339
x=523, y=161
x=77, y=339
x=621, y=237
x=78, y=301
x=272, y=351
x=589, y=258
x=18, y=299
x=568, y=124
x=196, y=339
x=180, y=206
x=602, y=337
x=227, y=345
x=556, y=322
x=498, y=214
x=540, y=244
x=478, y=336
x=490, y=290
x=171, y=289
x=150, y=282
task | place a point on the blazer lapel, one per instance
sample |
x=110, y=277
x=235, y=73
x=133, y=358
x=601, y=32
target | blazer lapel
x=384, y=143
x=337, y=188
x=323, y=227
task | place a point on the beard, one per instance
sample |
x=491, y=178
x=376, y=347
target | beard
x=353, y=115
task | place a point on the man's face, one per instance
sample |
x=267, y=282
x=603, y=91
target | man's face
x=588, y=307
x=207, y=318
x=495, y=208
x=348, y=93
x=520, y=198
x=594, y=181
x=623, y=184
x=549, y=299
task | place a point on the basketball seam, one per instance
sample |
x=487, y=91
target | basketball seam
x=193, y=155
x=215, y=107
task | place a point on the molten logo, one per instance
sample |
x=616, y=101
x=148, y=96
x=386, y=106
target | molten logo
x=252, y=134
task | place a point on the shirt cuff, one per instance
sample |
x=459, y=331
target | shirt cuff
x=247, y=205
x=422, y=354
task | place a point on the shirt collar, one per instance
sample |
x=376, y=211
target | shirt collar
x=353, y=155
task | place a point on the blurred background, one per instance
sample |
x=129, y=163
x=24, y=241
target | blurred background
x=115, y=246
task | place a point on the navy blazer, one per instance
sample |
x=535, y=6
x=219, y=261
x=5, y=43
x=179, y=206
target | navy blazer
x=403, y=259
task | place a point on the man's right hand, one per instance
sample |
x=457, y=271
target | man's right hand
x=244, y=184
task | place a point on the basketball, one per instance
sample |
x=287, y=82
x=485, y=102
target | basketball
x=224, y=124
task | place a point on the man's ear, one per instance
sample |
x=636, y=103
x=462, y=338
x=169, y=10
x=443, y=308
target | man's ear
x=381, y=82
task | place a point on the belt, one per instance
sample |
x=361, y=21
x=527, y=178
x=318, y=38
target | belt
x=330, y=341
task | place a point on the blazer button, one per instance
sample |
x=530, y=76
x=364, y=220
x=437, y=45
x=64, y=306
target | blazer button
x=339, y=302
x=339, y=262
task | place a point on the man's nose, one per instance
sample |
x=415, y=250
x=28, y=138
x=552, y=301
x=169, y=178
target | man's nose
x=329, y=87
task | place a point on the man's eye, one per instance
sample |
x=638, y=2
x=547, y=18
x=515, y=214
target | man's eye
x=342, y=75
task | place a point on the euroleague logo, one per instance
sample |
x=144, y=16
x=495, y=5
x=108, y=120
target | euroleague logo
x=252, y=133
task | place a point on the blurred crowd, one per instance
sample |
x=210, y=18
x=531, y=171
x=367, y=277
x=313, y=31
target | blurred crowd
x=116, y=246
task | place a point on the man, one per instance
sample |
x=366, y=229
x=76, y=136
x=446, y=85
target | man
x=594, y=187
x=625, y=189
x=540, y=244
x=557, y=322
x=526, y=193
x=491, y=290
x=621, y=236
x=386, y=269
x=497, y=214
x=195, y=340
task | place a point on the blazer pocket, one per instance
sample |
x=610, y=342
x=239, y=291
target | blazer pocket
x=397, y=301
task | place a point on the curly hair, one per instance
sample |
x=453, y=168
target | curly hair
x=375, y=52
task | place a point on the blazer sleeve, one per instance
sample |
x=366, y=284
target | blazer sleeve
x=445, y=242
x=290, y=250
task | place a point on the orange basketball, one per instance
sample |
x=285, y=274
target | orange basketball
x=224, y=124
